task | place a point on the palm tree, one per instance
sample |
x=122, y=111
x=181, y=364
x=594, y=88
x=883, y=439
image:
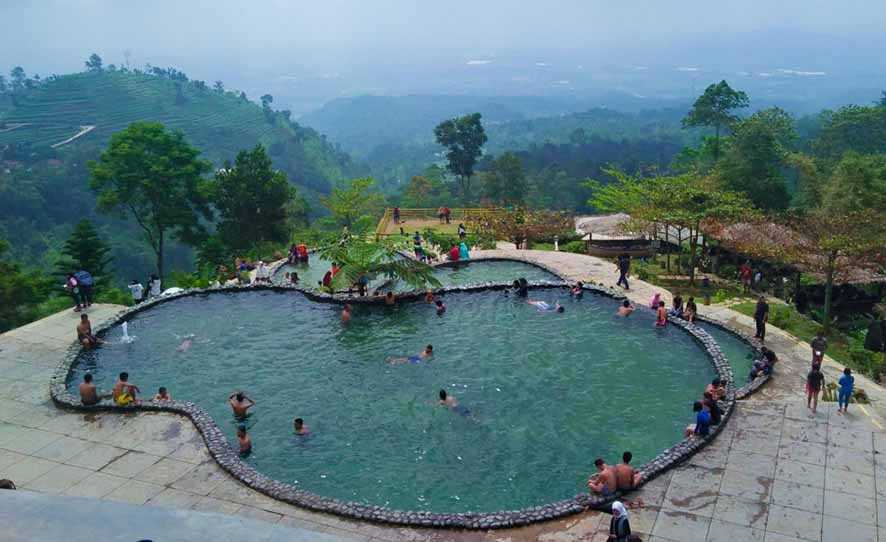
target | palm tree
x=359, y=258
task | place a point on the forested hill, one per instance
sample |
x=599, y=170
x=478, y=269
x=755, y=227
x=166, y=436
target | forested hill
x=219, y=123
x=44, y=180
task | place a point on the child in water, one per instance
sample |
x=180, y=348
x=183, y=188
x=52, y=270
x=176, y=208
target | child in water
x=441, y=308
x=244, y=440
x=544, y=306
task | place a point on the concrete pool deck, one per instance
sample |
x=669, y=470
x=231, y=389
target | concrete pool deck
x=773, y=474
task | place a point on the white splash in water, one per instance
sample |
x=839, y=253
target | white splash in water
x=126, y=339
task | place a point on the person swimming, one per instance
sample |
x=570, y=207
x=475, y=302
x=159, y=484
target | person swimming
x=346, y=313
x=244, y=441
x=521, y=287
x=300, y=427
x=441, y=308
x=415, y=360
x=626, y=308
x=452, y=403
x=578, y=290
x=186, y=344
x=544, y=306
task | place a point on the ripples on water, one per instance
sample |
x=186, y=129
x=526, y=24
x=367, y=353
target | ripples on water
x=547, y=393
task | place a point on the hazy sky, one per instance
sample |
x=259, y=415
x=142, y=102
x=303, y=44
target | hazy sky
x=323, y=48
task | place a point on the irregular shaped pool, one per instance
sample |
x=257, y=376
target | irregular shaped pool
x=541, y=394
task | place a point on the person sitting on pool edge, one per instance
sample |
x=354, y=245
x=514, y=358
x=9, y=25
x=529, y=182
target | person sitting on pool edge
x=240, y=404
x=625, y=309
x=441, y=308
x=423, y=355
x=84, y=333
x=702, y=425
x=300, y=428
x=625, y=475
x=88, y=391
x=604, y=482
x=124, y=393
x=244, y=440
x=162, y=395
x=717, y=389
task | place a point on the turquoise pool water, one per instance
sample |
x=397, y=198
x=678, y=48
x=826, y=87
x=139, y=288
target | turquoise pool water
x=738, y=351
x=546, y=392
x=467, y=273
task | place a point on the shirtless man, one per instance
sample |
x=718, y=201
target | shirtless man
x=125, y=393
x=604, y=482
x=300, y=428
x=625, y=475
x=423, y=355
x=88, y=391
x=162, y=395
x=240, y=404
x=626, y=308
x=717, y=389
x=84, y=332
x=452, y=403
x=346, y=314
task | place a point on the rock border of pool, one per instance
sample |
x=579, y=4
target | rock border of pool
x=229, y=460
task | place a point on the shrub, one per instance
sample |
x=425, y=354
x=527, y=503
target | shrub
x=728, y=271
x=577, y=246
x=721, y=296
x=114, y=295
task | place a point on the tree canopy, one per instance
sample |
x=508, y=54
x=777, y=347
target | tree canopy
x=252, y=199
x=463, y=138
x=353, y=201
x=504, y=181
x=94, y=63
x=155, y=177
x=715, y=108
x=85, y=249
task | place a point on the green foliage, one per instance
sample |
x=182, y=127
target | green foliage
x=115, y=296
x=252, y=200
x=463, y=138
x=359, y=258
x=756, y=156
x=577, y=246
x=20, y=292
x=715, y=108
x=94, y=63
x=353, y=201
x=721, y=296
x=424, y=192
x=154, y=177
x=212, y=253
x=85, y=249
x=852, y=128
x=182, y=279
x=857, y=182
x=504, y=181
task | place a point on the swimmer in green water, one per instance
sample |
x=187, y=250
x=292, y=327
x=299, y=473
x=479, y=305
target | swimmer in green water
x=415, y=360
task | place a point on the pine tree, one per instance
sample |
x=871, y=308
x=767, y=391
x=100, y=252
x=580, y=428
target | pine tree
x=84, y=249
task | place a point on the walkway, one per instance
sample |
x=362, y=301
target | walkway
x=773, y=475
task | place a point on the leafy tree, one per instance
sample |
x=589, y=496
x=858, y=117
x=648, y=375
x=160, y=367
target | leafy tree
x=2, y=84
x=18, y=78
x=857, y=182
x=219, y=87
x=85, y=249
x=359, y=258
x=20, y=292
x=266, y=100
x=505, y=181
x=523, y=224
x=836, y=247
x=94, y=63
x=419, y=192
x=349, y=203
x=251, y=198
x=852, y=128
x=688, y=201
x=155, y=177
x=463, y=138
x=715, y=108
x=756, y=156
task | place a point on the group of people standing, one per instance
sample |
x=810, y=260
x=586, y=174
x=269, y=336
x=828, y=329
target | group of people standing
x=140, y=293
x=80, y=284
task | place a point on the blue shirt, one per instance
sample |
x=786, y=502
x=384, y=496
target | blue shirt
x=703, y=423
x=846, y=383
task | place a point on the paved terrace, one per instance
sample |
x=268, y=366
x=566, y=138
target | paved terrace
x=774, y=474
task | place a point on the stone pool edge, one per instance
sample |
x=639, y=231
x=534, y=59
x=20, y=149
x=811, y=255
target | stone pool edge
x=229, y=460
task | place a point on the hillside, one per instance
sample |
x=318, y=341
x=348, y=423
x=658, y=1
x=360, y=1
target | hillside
x=217, y=123
x=49, y=132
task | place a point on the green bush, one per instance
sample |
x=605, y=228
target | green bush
x=577, y=246
x=728, y=271
x=721, y=296
x=115, y=296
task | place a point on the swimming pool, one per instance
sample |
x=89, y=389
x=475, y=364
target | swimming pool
x=738, y=351
x=546, y=392
x=311, y=273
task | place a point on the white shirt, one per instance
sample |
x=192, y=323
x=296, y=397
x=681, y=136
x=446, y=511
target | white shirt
x=137, y=290
x=155, y=287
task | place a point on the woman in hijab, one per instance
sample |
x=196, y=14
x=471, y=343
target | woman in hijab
x=619, y=526
x=654, y=303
